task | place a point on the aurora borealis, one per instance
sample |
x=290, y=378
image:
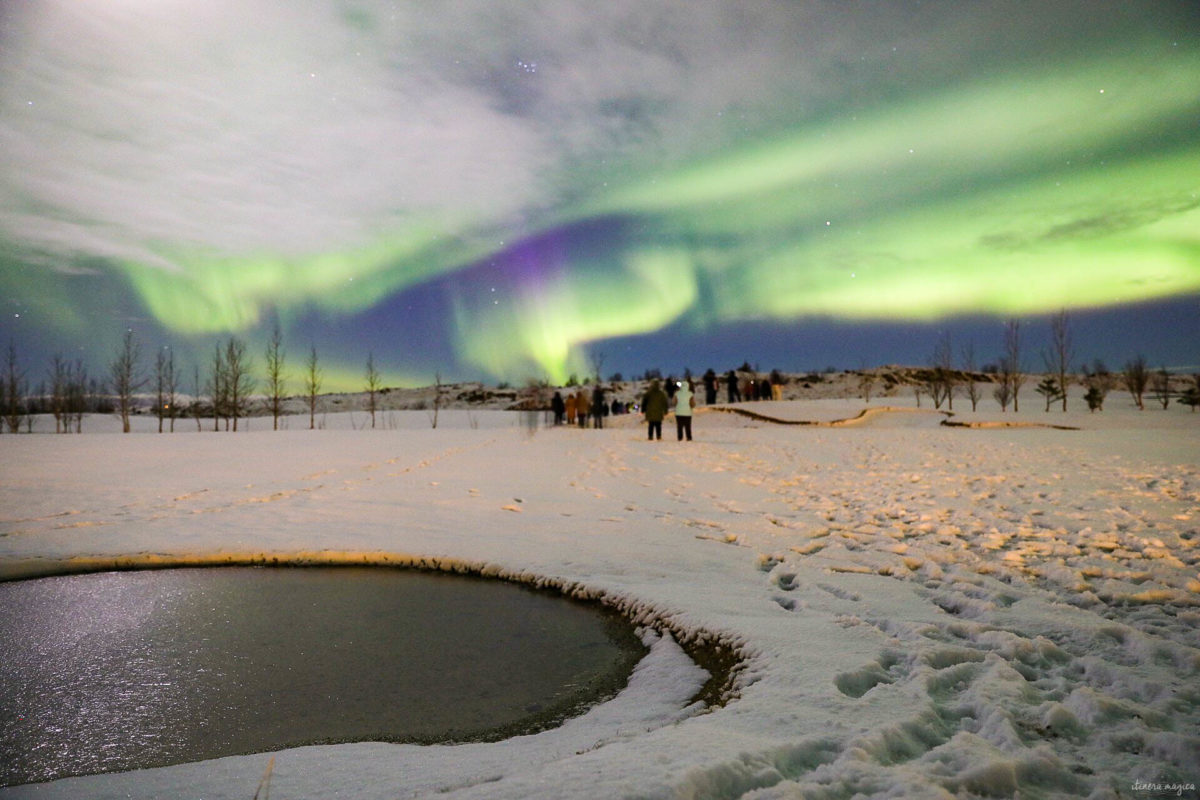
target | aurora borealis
x=508, y=189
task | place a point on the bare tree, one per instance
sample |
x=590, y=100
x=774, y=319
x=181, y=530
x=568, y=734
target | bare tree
x=125, y=378
x=596, y=360
x=241, y=383
x=197, y=393
x=171, y=388
x=59, y=376
x=76, y=399
x=218, y=387
x=944, y=380
x=1160, y=387
x=12, y=391
x=1011, y=362
x=1060, y=354
x=968, y=362
x=1003, y=390
x=1135, y=376
x=160, y=386
x=166, y=386
x=275, y=379
x=866, y=383
x=312, y=385
x=372, y=386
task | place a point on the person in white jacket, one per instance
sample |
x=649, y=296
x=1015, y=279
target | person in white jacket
x=685, y=401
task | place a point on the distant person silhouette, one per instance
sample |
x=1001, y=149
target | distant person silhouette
x=599, y=407
x=572, y=404
x=777, y=382
x=710, y=387
x=582, y=407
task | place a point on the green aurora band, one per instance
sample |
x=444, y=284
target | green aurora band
x=1076, y=190
x=1074, y=187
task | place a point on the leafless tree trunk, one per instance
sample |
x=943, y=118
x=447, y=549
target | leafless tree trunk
x=166, y=385
x=1003, y=390
x=218, y=389
x=373, y=385
x=1136, y=376
x=597, y=362
x=1061, y=353
x=241, y=383
x=196, y=395
x=59, y=377
x=13, y=391
x=312, y=385
x=968, y=361
x=76, y=395
x=933, y=385
x=275, y=380
x=172, y=388
x=160, y=387
x=1160, y=387
x=943, y=369
x=866, y=382
x=125, y=377
x=1012, y=361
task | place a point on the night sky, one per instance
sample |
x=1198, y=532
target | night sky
x=514, y=189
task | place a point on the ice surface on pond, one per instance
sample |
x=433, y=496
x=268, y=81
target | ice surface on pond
x=117, y=671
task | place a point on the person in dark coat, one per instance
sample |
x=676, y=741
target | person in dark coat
x=731, y=384
x=710, y=387
x=559, y=407
x=599, y=407
x=654, y=408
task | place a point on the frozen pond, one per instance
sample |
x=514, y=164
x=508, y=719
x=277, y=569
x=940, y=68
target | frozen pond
x=121, y=670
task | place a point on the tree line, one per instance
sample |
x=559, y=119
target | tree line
x=222, y=391
x=943, y=379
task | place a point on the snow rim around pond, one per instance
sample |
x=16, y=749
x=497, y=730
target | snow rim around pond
x=922, y=611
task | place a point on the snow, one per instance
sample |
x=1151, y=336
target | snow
x=922, y=610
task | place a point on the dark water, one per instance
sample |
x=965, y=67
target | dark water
x=115, y=671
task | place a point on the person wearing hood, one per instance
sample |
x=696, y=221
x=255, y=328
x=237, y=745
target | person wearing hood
x=654, y=408
x=685, y=401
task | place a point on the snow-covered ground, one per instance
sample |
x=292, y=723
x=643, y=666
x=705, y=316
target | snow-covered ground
x=925, y=611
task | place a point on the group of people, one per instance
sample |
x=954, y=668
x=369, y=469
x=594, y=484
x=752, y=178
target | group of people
x=749, y=388
x=580, y=407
